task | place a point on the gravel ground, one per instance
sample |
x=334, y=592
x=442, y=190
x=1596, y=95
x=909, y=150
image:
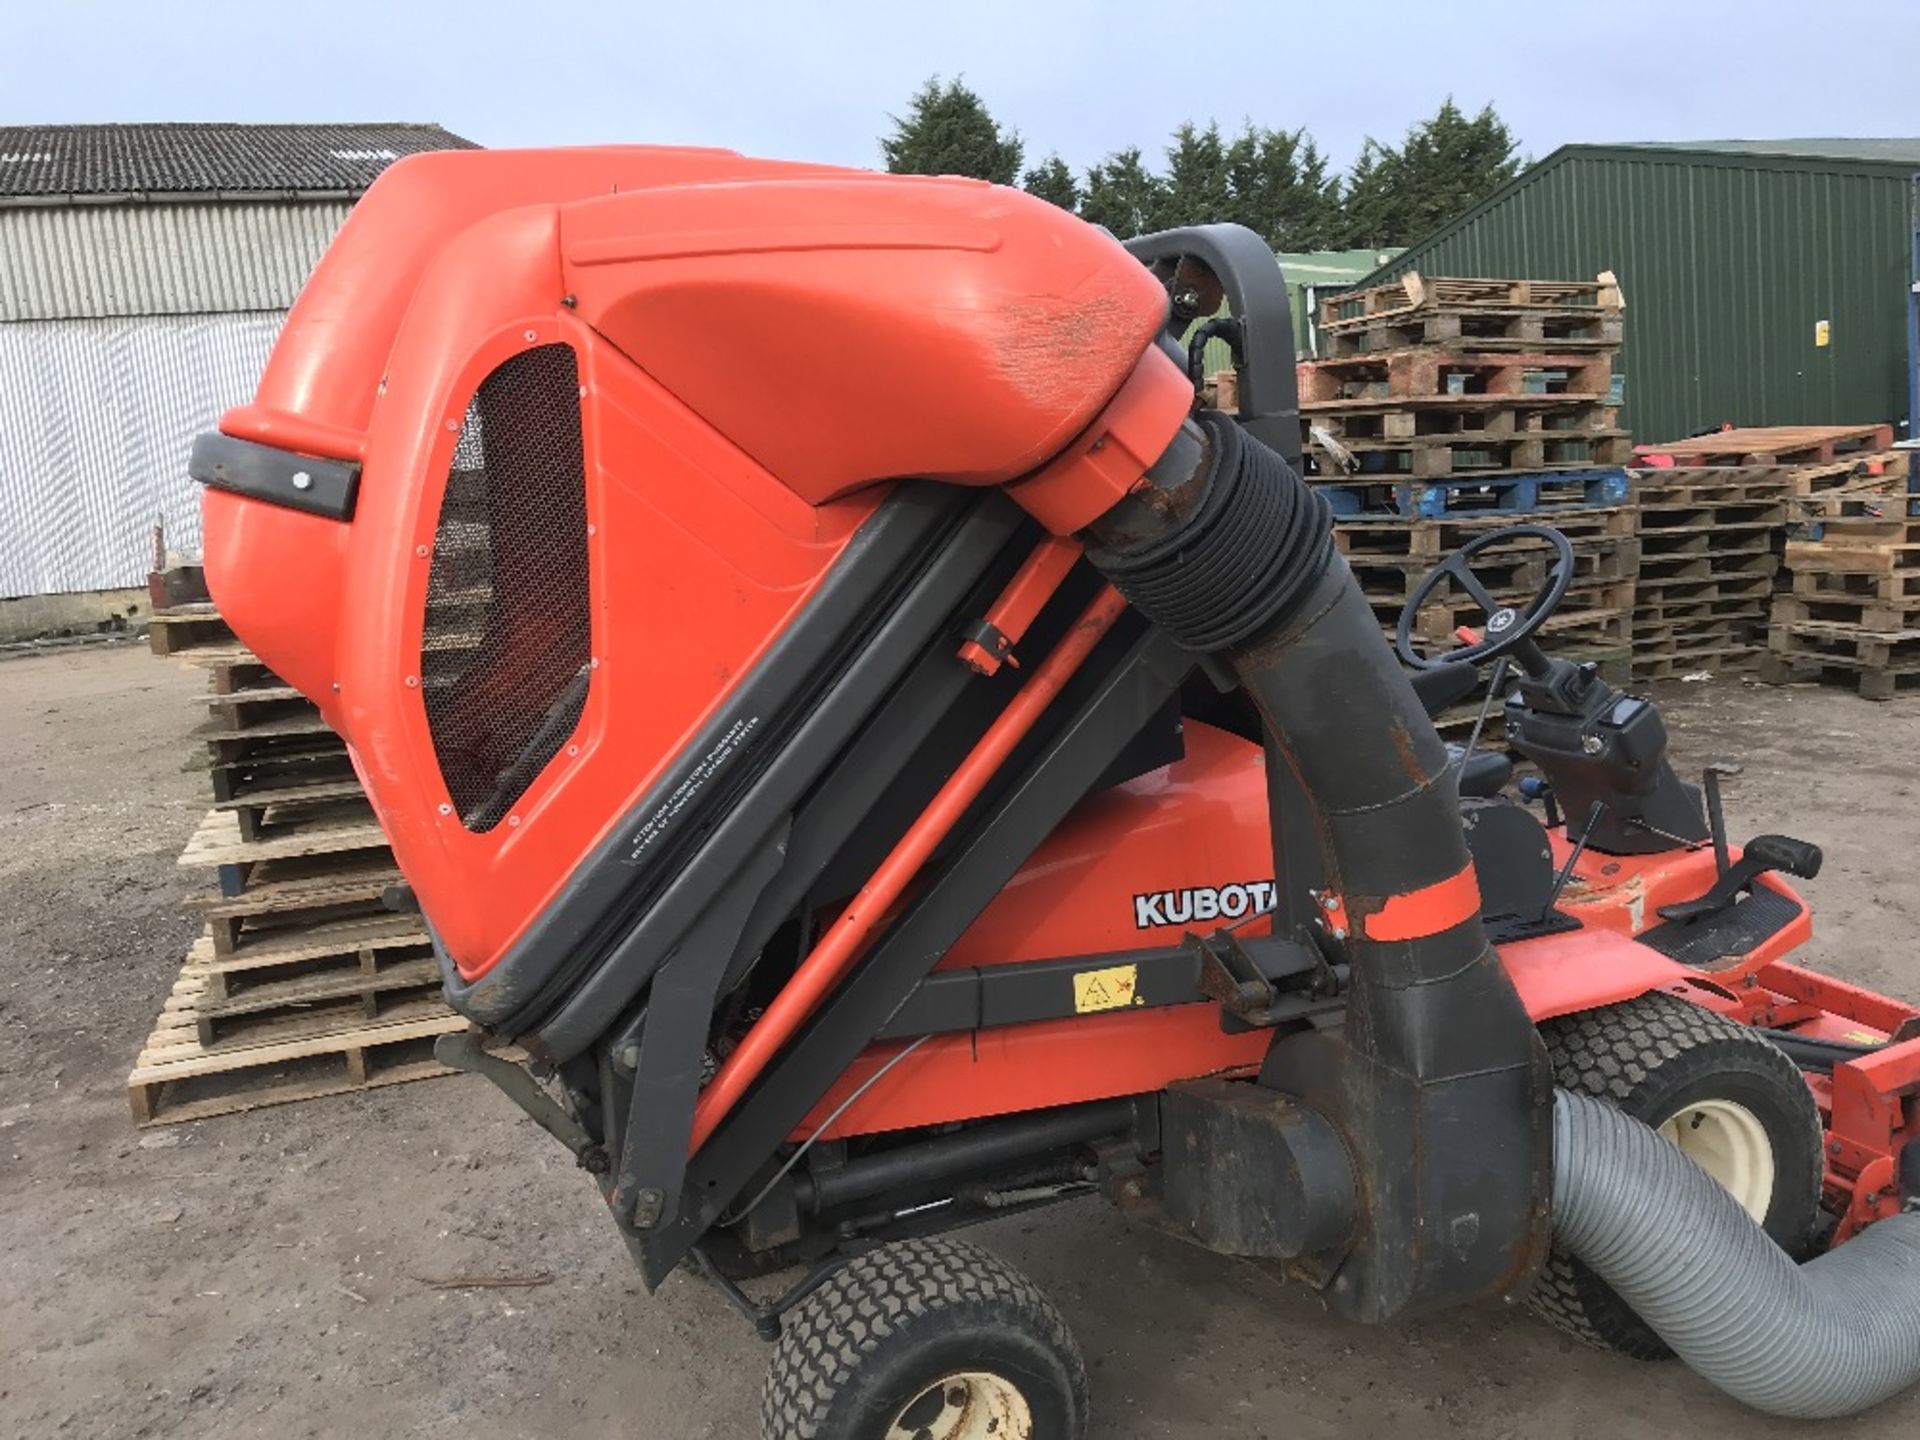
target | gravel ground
x=275, y=1269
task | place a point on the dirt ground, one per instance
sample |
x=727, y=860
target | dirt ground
x=270, y=1272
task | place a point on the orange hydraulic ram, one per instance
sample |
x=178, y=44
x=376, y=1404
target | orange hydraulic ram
x=830, y=959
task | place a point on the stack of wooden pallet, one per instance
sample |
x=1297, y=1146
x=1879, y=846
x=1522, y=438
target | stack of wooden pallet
x=1852, y=607
x=1436, y=379
x=303, y=983
x=1715, y=512
x=1440, y=409
x=1708, y=555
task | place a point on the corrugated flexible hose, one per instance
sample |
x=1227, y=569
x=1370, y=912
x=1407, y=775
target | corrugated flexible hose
x=1811, y=1342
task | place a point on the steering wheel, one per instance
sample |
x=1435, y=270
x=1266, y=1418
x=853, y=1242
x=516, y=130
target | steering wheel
x=1506, y=628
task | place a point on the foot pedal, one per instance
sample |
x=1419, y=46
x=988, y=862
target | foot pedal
x=1798, y=858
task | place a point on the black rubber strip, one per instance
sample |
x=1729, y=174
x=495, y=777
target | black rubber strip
x=1246, y=556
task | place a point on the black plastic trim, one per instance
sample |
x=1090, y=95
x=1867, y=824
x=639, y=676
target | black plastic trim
x=643, y=887
x=1116, y=695
x=1256, y=291
x=327, y=488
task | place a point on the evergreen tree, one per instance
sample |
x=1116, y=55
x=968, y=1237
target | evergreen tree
x=1369, y=216
x=1280, y=187
x=1053, y=182
x=1195, y=191
x=1446, y=166
x=948, y=130
x=1123, y=195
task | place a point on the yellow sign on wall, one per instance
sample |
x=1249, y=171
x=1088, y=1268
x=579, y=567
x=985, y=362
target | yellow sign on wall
x=1822, y=334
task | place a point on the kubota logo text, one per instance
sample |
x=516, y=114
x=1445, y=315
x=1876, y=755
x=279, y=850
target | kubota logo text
x=1202, y=902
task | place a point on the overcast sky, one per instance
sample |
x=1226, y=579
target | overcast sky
x=817, y=81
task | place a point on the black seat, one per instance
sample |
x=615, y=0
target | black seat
x=1443, y=686
x=1484, y=774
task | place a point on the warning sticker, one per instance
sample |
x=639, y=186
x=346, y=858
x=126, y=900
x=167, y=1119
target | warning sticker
x=1113, y=988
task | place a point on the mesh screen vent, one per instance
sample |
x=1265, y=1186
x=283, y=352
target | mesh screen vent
x=504, y=661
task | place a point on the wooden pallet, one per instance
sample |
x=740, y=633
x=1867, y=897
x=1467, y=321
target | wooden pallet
x=302, y=1057
x=179, y=628
x=1854, y=612
x=1874, y=488
x=1715, y=518
x=1696, y=565
x=324, y=828
x=1872, y=683
x=1467, y=452
x=1373, y=540
x=1817, y=444
x=1487, y=332
x=218, y=655
x=1829, y=643
x=1441, y=374
x=345, y=945
x=1353, y=421
x=1414, y=291
x=1668, y=590
x=1856, y=469
x=369, y=963
x=1889, y=586
x=1857, y=550
x=306, y=890
x=1811, y=514
x=1694, y=486
x=1734, y=549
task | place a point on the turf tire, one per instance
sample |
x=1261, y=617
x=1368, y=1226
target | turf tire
x=1651, y=1057
x=889, y=1323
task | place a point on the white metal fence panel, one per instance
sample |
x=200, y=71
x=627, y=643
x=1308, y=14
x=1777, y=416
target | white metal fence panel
x=96, y=420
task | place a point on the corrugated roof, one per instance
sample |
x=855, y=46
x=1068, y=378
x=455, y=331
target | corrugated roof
x=1887, y=150
x=48, y=162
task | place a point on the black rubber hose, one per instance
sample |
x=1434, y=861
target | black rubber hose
x=1438, y=1080
x=1241, y=560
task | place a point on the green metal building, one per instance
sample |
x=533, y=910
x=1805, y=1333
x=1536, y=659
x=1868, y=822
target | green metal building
x=1767, y=282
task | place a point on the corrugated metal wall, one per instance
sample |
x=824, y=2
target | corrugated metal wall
x=96, y=421
x=60, y=262
x=125, y=330
x=1727, y=266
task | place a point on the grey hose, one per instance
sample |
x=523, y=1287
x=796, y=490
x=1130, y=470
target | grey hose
x=1812, y=1342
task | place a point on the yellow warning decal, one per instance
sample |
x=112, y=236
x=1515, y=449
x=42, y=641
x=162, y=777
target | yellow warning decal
x=1113, y=988
x=1863, y=1037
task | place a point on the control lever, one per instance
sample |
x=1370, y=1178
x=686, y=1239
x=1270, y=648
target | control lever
x=1798, y=858
x=1716, y=813
x=1573, y=857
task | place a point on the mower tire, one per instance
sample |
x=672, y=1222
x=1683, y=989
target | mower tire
x=1731, y=1100
x=928, y=1339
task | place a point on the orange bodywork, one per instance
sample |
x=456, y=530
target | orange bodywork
x=765, y=346
x=1192, y=840
x=763, y=350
